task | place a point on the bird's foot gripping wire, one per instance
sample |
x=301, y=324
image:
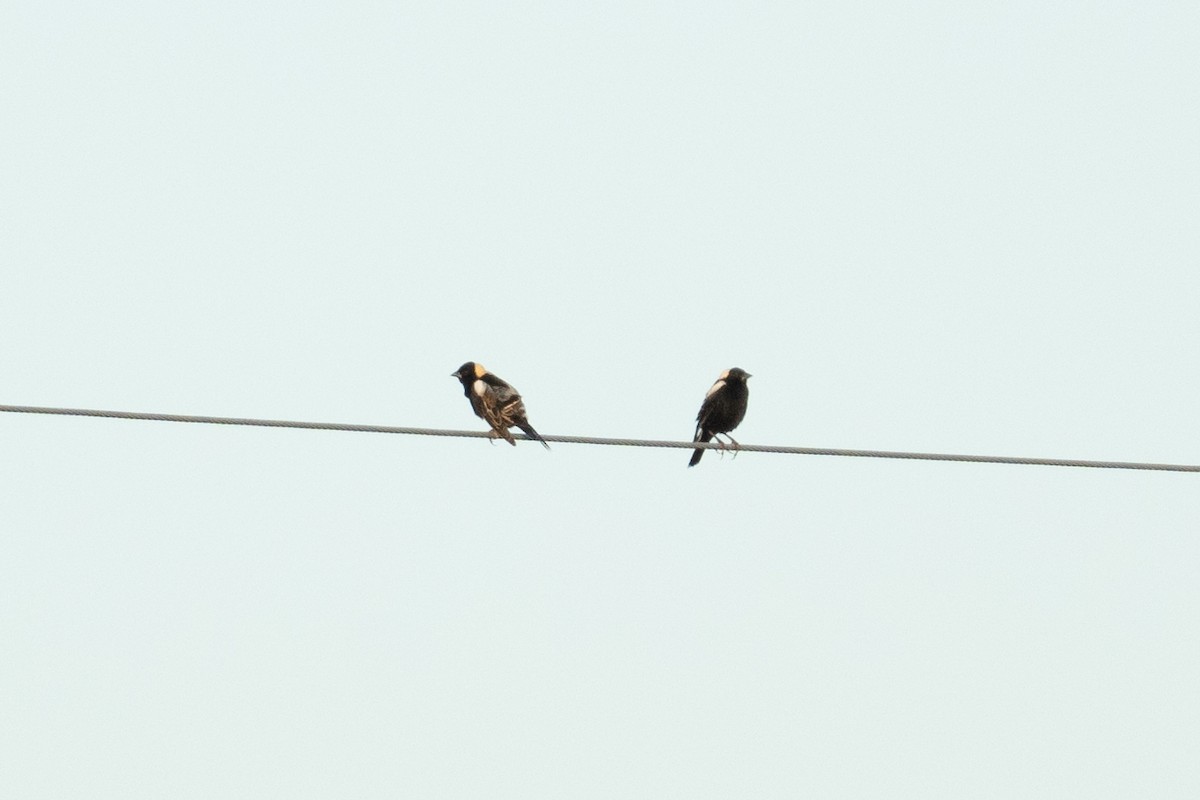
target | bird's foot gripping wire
x=732, y=445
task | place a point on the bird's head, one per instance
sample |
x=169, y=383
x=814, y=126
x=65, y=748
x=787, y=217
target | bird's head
x=469, y=372
x=736, y=374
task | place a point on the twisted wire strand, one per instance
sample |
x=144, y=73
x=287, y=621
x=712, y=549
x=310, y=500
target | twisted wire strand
x=598, y=440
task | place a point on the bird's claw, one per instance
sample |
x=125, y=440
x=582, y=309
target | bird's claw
x=723, y=446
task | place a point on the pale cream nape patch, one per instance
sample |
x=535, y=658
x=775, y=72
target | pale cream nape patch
x=480, y=371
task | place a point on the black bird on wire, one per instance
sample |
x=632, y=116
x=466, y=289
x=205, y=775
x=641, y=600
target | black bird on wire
x=723, y=409
x=495, y=402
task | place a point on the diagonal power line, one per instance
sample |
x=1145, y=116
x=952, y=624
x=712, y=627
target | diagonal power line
x=596, y=440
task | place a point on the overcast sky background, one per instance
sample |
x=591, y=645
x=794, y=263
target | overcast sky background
x=954, y=227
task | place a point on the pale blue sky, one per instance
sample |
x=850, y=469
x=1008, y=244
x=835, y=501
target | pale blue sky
x=956, y=227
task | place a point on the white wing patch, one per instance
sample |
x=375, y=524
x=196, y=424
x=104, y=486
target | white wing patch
x=479, y=387
x=715, y=388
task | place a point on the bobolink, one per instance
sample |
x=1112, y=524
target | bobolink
x=495, y=402
x=723, y=408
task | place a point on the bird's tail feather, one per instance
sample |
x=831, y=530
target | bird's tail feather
x=701, y=436
x=532, y=434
